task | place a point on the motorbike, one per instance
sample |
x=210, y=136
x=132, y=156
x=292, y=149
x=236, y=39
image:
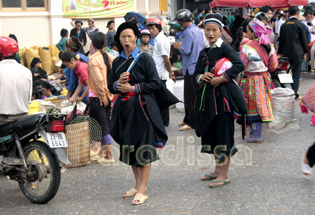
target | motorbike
x=31, y=149
x=281, y=77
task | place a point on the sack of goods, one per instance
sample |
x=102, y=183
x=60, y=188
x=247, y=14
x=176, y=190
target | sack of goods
x=283, y=102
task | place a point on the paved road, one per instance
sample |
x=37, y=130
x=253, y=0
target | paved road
x=266, y=179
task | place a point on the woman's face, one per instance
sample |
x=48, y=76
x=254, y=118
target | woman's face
x=128, y=40
x=111, y=26
x=91, y=24
x=78, y=26
x=46, y=92
x=212, y=32
x=37, y=65
x=71, y=65
x=250, y=33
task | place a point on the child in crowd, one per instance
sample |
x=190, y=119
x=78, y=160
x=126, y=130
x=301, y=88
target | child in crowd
x=64, y=36
x=217, y=101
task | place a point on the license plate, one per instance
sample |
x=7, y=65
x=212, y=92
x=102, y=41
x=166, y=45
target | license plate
x=285, y=78
x=57, y=140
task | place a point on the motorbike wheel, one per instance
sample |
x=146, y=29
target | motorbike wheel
x=44, y=183
x=276, y=83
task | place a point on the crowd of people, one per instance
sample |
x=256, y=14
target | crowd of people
x=123, y=78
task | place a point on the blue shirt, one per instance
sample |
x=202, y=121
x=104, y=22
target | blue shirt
x=61, y=44
x=178, y=36
x=134, y=53
x=192, y=44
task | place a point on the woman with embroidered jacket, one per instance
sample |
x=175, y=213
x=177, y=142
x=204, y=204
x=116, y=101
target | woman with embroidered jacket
x=217, y=100
x=136, y=123
x=256, y=83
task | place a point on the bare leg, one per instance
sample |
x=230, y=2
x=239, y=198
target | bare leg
x=224, y=171
x=108, y=153
x=136, y=173
x=144, y=176
x=216, y=170
x=137, y=178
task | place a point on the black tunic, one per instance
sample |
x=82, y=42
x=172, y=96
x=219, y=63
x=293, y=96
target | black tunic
x=136, y=122
x=214, y=116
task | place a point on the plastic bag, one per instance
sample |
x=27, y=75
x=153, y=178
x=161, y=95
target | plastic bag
x=283, y=102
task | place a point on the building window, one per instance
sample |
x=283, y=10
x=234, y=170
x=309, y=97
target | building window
x=11, y=3
x=23, y=5
x=35, y=3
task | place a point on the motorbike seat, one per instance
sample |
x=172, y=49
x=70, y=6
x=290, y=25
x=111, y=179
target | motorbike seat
x=19, y=124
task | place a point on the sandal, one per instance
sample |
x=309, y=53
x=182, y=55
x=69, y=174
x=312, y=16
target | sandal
x=139, y=199
x=306, y=169
x=224, y=182
x=95, y=158
x=130, y=193
x=103, y=161
x=210, y=178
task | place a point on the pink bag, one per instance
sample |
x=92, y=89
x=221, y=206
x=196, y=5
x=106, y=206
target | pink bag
x=308, y=99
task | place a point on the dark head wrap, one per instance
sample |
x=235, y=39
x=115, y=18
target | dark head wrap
x=74, y=44
x=214, y=18
x=122, y=27
x=78, y=21
x=35, y=61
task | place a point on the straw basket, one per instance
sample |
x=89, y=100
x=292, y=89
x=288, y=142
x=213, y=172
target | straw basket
x=78, y=138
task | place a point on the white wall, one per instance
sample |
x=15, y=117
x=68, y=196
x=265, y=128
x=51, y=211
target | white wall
x=29, y=29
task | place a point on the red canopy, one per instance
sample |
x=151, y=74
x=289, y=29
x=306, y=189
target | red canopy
x=258, y=3
x=229, y=3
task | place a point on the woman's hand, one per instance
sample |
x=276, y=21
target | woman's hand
x=207, y=77
x=103, y=102
x=72, y=99
x=125, y=87
x=216, y=81
x=124, y=77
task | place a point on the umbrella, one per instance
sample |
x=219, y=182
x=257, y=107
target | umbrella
x=140, y=17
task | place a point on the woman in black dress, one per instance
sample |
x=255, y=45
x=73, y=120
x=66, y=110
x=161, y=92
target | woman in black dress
x=136, y=123
x=218, y=100
x=79, y=33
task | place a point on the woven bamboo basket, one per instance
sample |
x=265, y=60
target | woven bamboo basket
x=78, y=138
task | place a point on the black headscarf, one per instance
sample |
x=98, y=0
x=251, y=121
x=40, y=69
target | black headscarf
x=122, y=27
x=78, y=21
